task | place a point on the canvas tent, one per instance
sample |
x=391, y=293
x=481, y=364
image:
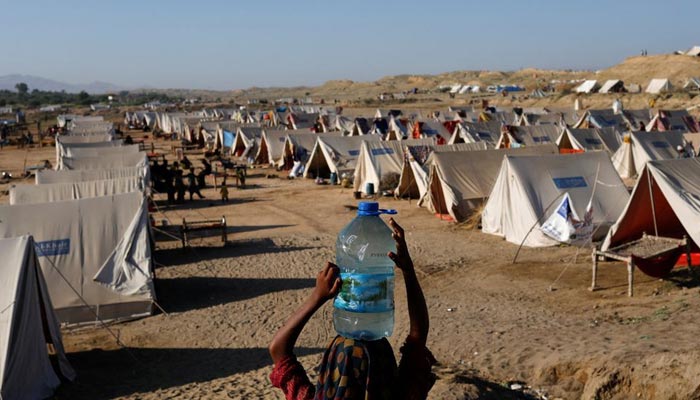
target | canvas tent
x=379, y=159
x=658, y=85
x=692, y=85
x=519, y=136
x=640, y=147
x=103, y=137
x=27, y=324
x=105, y=161
x=529, y=188
x=30, y=194
x=100, y=245
x=68, y=176
x=667, y=120
x=413, y=181
x=613, y=86
x=430, y=129
x=72, y=151
x=588, y=86
x=246, y=141
x=271, y=147
x=298, y=146
x=65, y=149
x=672, y=209
x=335, y=154
x=459, y=182
x=593, y=139
x=470, y=132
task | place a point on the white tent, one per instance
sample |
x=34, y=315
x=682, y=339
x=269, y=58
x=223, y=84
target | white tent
x=593, y=139
x=430, y=129
x=65, y=149
x=659, y=85
x=674, y=210
x=528, y=189
x=588, y=86
x=612, y=85
x=105, y=162
x=30, y=194
x=535, y=135
x=103, y=137
x=271, y=147
x=247, y=141
x=459, y=182
x=72, y=151
x=81, y=175
x=27, y=325
x=378, y=159
x=335, y=154
x=100, y=245
x=413, y=181
x=397, y=130
x=640, y=147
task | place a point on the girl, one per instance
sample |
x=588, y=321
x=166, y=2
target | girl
x=356, y=369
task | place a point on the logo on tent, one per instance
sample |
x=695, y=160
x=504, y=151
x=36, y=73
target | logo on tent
x=53, y=247
x=382, y=151
x=570, y=182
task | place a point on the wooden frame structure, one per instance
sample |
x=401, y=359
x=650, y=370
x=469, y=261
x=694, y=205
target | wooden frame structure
x=203, y=225
x=656, y=246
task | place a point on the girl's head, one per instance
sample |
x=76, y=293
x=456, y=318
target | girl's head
x=355, y=369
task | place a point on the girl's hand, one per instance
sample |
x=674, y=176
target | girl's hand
x=401, y=258
x=328, y=283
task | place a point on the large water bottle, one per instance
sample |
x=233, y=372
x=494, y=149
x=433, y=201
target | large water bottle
x=364, y=308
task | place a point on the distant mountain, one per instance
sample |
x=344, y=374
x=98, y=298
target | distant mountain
x=8, y=82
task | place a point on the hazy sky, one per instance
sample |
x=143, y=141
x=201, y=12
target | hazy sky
x=238, y=44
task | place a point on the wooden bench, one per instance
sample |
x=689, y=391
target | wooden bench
x=203, y=225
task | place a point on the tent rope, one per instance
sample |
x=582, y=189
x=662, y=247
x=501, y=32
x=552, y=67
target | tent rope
x=86, y=305
x=196, y=253
x=653, y=207
x=8, y=307
x=544, y=212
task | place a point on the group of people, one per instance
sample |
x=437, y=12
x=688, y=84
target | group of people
x=170, y=179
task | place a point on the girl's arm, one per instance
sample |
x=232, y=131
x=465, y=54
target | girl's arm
x=328, y=285
x=417, y=309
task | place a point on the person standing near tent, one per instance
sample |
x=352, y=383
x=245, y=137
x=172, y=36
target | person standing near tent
x=357, y=369
x=192, y=186
x=203, y=173
x=224, y=191
x=180, y=188
x=3, y=135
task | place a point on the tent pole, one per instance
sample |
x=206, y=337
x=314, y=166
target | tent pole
x=651, y=197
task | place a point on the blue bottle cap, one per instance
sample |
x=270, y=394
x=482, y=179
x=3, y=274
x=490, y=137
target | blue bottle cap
x=371, y=208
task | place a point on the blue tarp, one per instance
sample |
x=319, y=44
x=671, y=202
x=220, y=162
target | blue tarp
x=228, y=139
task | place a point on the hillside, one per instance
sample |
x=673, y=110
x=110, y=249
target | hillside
x=8, y=82
x=640, y=70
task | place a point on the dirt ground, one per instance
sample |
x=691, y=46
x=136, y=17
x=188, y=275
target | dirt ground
x=493, y=323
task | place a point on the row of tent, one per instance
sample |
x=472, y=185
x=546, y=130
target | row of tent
x=515, y=188
x=655, y=86
x=454, y=125
x=77, y=249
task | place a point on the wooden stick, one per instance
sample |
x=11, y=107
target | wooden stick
x=594, y=255
x=630, y=278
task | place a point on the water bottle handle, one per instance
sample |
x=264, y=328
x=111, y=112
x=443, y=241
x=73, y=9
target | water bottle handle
x=388, y=211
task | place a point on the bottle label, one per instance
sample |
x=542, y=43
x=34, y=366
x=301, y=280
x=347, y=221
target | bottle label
x=366, y=293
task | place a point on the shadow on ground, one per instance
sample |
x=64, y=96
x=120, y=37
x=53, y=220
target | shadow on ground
x=191, y=293
x=114, y=373
x=234, y=248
